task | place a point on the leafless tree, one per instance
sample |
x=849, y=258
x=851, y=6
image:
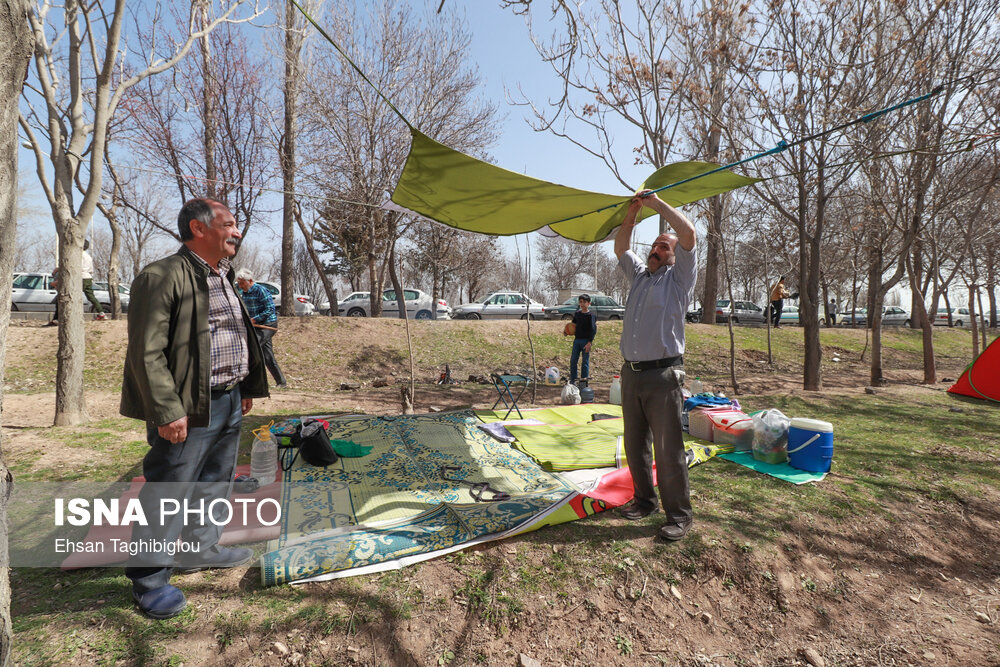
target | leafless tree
x=420, y=67
x=16, y=38
x=68, y=105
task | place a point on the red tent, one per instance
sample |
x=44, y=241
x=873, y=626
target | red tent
x=982, y=377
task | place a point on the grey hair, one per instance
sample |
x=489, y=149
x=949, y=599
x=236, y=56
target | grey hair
x=196, y=209
x=244, y=274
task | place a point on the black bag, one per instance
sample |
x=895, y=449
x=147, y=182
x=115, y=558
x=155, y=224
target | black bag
x=316, y=448
x=311, y=441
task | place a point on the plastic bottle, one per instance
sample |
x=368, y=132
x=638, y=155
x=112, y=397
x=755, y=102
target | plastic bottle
x=264, y=456
x=615, y=393
x=696, y=386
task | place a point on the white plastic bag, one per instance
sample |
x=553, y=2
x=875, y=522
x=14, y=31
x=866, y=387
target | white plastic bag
x=570, y=395
x=770, y=436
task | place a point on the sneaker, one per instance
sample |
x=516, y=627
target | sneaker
x=101, y=316
x=161, y=603
x=217, y=558
x=283, y=385
x=637, y=511
x=674, y=530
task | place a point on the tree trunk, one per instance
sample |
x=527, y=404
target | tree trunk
x=208, y=107
x=116, y=244
x=70, y=407
x=15, y=36
x=293, y=48
x=331, y=293
x=397, y=286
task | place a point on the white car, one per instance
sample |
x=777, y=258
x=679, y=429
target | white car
x=502, y=306
x=959, y=317
x=35, y=292
x=303, y=306
x=418, y=305
x=790, y=315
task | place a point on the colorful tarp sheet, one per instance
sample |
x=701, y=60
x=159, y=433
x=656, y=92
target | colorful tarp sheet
x=394, y=502
x=782, y=471
x=461, y=191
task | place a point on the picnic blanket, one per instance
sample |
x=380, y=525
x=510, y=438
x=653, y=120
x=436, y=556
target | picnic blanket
x=395, y=503
x=782, y=471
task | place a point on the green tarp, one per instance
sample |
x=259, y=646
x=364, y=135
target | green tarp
x=463, y=192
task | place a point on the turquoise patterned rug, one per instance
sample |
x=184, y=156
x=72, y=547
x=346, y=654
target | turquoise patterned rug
x=394, y=502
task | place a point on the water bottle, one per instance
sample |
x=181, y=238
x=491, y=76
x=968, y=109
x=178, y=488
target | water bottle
x=615, y=393
x=696, y=386
x=264, y=456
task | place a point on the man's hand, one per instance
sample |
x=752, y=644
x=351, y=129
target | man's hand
x=246, y=405
x=586, y=348
x=176, y=431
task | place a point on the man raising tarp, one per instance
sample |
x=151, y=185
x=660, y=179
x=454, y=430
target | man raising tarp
x=652, y=345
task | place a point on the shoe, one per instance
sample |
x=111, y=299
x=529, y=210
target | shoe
x=674, y=530
x=161, y=603
x=101, y=316
x=217, y=558
x=637, y=511
x=283, y=385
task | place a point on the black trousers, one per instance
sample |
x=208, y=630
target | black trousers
x=776, y=307
x=265, y=336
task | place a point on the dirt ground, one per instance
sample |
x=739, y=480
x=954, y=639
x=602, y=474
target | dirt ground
x=919, y=585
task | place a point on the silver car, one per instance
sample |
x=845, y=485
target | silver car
x=34, y=292
x=502, y=306
x=745, y=312
x=303, y=306
x=418, y=305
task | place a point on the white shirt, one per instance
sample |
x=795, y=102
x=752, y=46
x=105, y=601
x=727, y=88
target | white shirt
x=656, y=305
x=88, y=266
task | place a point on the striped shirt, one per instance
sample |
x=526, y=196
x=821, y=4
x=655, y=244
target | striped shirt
x=654, y=312
x=230, y=358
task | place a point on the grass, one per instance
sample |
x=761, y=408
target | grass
x=893, y=449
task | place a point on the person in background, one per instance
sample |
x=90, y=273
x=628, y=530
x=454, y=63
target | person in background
x=652, y=345
x=832, y=312
x=260, y=305
x=192, y=369
x=778, y=295
x=88, y=281
x=584, y=331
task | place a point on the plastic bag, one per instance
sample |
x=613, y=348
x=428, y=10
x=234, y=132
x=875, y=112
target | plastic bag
x=770, y=436
x=570, y=395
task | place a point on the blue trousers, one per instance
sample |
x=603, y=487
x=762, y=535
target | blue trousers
x=578, y=351
x=200, y=468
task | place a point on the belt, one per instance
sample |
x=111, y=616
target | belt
x=666, y=362
x=225, y=388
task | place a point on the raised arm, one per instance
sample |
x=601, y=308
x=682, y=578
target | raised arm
x=686, y=234
x=623, y=239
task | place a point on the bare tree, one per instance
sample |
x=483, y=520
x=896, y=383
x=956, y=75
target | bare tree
x=72, y=118
x=422, y=69
x=16, y=38
x=563, y=263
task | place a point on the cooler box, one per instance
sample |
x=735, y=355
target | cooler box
x=702, y=421
x=732, y=427
x=810, y=445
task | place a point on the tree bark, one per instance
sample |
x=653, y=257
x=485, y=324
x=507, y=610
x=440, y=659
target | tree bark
x=293, y=50
x=14, y=34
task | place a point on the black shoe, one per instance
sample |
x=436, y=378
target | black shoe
x=674, y=530
x=217, y=558
x=637, y=511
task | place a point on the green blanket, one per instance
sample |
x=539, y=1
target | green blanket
x=781, y=471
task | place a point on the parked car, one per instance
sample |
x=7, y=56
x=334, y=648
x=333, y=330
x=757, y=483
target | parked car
x=101, y=292
x=959, y=317
x=603, y=306
x=857, y=317
x=418, y=305
x=34, y=292
x=895, y=316
x=501, y=306
x=693, y=315
x=745, y=312
x=790, y=315
x=302, y=304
